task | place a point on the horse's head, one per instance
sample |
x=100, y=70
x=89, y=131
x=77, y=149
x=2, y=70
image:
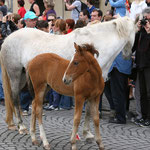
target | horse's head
x=79, y=64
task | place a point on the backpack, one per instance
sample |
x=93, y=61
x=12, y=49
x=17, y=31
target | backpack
x=83, y=6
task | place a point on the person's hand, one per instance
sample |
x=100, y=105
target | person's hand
x=65, y=1
x=139, y=25
x=4, y=20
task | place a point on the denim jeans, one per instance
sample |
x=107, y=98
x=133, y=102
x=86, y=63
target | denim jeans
x=49, y=97
x=56, y=99
x=1, y=87
x=66, y=102
x=25, y=100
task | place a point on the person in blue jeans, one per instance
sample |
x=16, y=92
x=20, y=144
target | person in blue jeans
x=116, y=91
x=1, y=90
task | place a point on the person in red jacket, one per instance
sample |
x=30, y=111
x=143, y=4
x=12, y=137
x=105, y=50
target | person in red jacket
x=21, y=10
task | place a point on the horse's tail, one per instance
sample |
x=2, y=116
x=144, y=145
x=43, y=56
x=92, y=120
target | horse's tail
x=29, y=82
x=7, y=94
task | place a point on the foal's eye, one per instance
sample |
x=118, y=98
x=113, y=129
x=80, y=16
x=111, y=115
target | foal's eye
x=75, y=63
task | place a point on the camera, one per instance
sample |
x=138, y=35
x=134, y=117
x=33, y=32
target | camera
x=143, y=21
x=106, y=2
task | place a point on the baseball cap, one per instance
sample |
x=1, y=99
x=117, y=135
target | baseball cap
x=29, y=15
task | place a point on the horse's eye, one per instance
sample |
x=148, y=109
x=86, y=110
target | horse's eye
x=75, y=63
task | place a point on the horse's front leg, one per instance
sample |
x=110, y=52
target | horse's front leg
x=86, y=129
x=95, y=116
x=79, y=101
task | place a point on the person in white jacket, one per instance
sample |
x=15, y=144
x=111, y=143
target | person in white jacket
x=137, y=7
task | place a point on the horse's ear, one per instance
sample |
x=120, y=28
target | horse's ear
x=78, y=48
x=75, y=46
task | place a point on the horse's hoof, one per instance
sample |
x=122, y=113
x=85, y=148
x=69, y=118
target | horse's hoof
x=36, y=143
x=47, y=147
x=12, y=127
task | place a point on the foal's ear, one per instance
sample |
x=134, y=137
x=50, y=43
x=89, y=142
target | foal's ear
x=77, y=47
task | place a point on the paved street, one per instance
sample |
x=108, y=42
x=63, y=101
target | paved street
x=58, y=125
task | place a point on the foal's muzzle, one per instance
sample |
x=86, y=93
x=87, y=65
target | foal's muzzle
x=67, y=80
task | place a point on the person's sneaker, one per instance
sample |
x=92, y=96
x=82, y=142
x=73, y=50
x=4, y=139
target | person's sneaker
x=46, y=106
x=138, y=121
x=50, y=108
x=56, y=108
x=62, y=108
x=145, y=123
x=115, y=120
x=25, y=113
x=30, y=107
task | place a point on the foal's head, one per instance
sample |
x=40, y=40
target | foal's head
x=80, y=62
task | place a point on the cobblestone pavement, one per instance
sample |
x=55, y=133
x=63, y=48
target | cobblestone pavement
x=58, y=125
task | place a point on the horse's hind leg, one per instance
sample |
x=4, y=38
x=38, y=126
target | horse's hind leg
x=15, y=88
x=79, y=101
x=37, y=110
x=86, y=129
x=94, y=105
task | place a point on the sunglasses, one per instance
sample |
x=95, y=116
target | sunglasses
x=50, y=20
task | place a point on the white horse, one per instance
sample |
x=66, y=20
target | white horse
x=109, y=38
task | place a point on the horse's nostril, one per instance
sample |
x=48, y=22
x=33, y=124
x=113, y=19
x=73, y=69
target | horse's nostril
x=64, y=80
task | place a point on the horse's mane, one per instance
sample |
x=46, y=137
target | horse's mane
x=90, y=48
x=121, y=26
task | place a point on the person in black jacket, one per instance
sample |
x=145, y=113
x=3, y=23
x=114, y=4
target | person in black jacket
x=142, y=59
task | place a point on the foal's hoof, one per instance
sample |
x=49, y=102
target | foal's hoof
x=89, y=138
x=101, y=147
x=74, y=147
x=12, y=127
x=23, y=131
x=47, y=147
x=36, y=143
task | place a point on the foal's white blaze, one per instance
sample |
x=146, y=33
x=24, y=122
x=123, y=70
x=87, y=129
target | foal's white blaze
x=66, y=77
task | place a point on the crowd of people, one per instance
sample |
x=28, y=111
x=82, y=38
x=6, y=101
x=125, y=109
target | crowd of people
x=117, y=89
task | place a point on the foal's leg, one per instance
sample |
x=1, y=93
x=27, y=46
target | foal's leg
x=86, y=129
x=39, y=111
x=33, y=123
x=95, y=116
x=79, y=101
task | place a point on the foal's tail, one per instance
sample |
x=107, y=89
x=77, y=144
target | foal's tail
x=7, y=94
x=29, y=82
